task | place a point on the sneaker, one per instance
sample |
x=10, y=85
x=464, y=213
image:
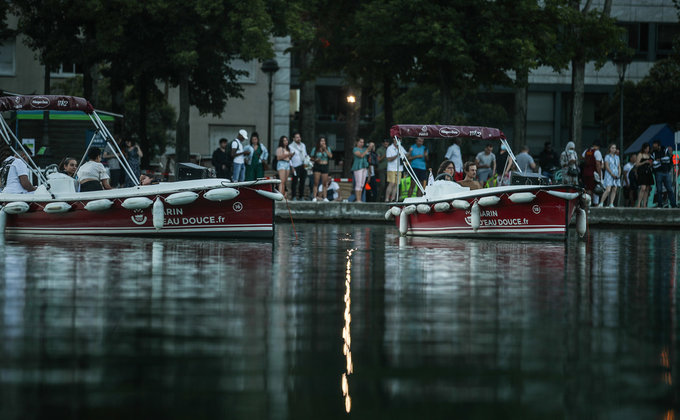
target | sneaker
x=294, y=199
x=314, y=199
x=325, y=199
x=611, y=206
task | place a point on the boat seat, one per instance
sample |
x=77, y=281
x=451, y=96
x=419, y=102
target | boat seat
x=61, y=183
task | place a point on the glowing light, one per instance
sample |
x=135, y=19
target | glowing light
x=346, y=335
x=351, y=99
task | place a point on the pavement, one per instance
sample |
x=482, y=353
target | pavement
x=331, y=211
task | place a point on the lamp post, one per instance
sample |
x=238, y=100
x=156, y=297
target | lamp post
x=270, y=67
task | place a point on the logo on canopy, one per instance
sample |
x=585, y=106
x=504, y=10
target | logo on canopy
x=40, y=102
x=449, y=132
x=423, y=131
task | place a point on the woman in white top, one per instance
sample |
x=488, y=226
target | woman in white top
x=14, y=172
x=93, y=176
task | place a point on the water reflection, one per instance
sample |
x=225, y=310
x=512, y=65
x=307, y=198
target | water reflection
x=102, y=327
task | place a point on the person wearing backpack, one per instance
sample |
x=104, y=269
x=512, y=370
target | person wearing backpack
x=14, y=173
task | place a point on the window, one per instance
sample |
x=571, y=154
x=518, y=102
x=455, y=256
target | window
x=249, y=66
x=7, y=50
x=666, y=33
x=67, y=70
x=638, y=37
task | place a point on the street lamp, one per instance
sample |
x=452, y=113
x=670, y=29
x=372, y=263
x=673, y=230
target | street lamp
x=270, y=67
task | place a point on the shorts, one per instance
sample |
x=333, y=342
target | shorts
x=323, y=168
x=282, y=165
x=393, y=177
x=420, y=173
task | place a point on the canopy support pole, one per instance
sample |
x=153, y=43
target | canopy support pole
x=112, y=141
x=408, y=167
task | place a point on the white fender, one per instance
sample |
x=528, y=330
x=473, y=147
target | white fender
x=135, y=203
x=564, y=195
x=57, y=207
x=489, y=201
x=388, y=214
x=3, y=221
x=99, y=205
x=423, y=208
x=460, y=204
x=396, y=211
x=409, y=210
x=16, y=207
x=221, y=194
x=276, y=196
x=522, y=197
x=474, y=217
x=403, y=224
x=158, y=213
x=581, y=223
x=440, y=207
x=180, y=198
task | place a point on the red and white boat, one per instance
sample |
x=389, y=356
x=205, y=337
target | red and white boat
x=199, y=208
x=448, y=209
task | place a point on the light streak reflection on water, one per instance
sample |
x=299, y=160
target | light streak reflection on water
x=579, y=330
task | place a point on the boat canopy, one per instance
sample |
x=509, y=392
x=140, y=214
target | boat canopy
x=45, y=103
x=445, y=131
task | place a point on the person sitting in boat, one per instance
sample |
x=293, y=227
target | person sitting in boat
x=14, y=173
x=470, y=169
x=446, y=171
x=93, y=175
x=68, y=166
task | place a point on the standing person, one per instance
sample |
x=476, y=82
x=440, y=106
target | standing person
x=283, y=155
x=470, y=179
x=92, y=175
x=394, y=169
x=454, y=154
x=221, y=160
x=382, y=169
x=112, y=161
x=569, y=163
x=372, y=189
x=486, y=164
x=14, y=173
x=629, y=181
x=238, y=155
x=612, y=176
x=68, y=166
x=321, y=154
x=524, y=160
x=297, y=163
x=645, y=177
x=548, y=160
x=359, y=167
x=417, y=155
x=134, y=154
x=592, y=165
x=256, y=158
x=663, y=170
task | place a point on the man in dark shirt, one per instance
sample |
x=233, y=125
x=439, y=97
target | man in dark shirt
x=220, y=160
x=663, y=169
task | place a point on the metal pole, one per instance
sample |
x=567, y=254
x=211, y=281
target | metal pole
x=620, y=198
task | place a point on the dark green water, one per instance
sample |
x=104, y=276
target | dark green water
x=344, y=318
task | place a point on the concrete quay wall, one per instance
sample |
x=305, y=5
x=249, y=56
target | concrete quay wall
x=339, y=212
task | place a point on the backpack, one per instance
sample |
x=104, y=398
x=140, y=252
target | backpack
x=4, y=171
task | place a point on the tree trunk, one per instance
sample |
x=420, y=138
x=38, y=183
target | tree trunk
x=520, y=115
x=387, y=106
x=445, y=91
x=143, y=117
x=578, y=69
x=117, y=88
x=307, y=104
x=182, y=137
x=352, y=129
x=46, y=114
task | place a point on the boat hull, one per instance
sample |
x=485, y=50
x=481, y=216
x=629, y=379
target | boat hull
x=249, y=214
x=546, y=216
